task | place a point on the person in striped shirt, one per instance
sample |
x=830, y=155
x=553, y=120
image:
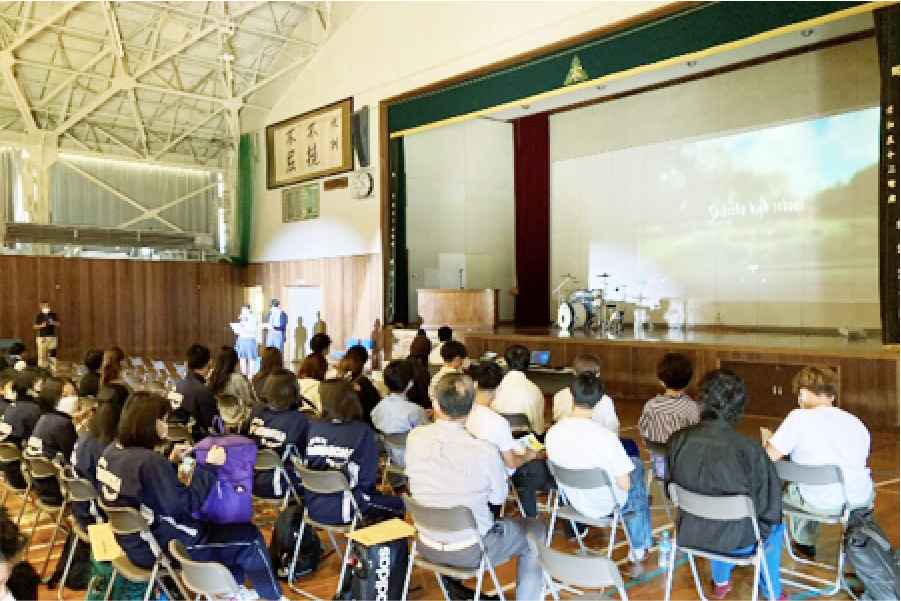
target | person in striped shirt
x=673, y=409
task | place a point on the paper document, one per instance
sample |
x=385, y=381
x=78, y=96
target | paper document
x=382, y=532
x=236, y=328
x=103, y=542
x=529, y=442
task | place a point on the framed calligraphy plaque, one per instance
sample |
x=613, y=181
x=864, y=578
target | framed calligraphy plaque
x=309, y=146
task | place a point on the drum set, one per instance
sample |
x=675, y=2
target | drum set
x=592, y=309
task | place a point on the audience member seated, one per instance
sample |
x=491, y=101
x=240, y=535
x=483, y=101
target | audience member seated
x=54, y=434
x=101, y=432
x=7, y=385
x=671, y=410
x=713, y=458
x=18, y=578
x=342, y=441
x=525, y=466
x=111, y=366
x=310, y=375
x=351, y=368
x=320, y=344
x=19, y=419
x=132, y=474
x=278, y=425
x=604, y=411
x=395, y=414
x=193, y=404
x=16, y=358
x=448, y=467
x=271, y=361
x=819, y=433
x=454, y=354
x=580, y=442
x=418, y=360
x=90, y=382
x=445, y=334
x=518, y=394
x=226, y=379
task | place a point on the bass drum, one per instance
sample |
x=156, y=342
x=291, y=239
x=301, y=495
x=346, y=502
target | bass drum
x=565, y=316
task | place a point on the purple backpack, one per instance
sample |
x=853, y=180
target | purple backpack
x=231, y=499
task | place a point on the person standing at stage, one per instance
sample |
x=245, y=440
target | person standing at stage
x=276, y=325
x=46, y=326
x=246, y=329
x=516, y=393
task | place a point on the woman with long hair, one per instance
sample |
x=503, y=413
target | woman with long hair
x=271, y=362
x=226, y=380
x=111, y=368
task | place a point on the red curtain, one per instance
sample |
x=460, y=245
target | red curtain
x=532, y=180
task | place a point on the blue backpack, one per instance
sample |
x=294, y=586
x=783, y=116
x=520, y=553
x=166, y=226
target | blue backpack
x=231, y=499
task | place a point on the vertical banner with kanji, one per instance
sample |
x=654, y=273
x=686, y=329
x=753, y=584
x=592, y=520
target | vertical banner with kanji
x=312, y=145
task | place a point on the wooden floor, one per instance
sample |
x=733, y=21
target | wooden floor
x=884, y=461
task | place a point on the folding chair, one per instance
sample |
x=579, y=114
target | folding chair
x=41, y=468
x=10, y=458
x=584, y=479
x=325, y=482
x=577, y=570
x=125, y=521
x=269, y=461
x=393, y=443
x=457, y=520
x=720, y=508
x=160, y=368
x=77, y=490
x=815, y=475
x=208, y=579
x=658, y=449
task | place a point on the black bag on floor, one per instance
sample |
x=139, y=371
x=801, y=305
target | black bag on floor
x=872, y=556
x=80, y=572
x=376, y=573
x=284, y=538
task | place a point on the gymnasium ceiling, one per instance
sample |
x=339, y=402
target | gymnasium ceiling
x=151, y=80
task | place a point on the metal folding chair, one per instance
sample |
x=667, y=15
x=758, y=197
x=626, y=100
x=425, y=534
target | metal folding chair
x=77, y=490
x=457, y=520
x=815, y=475
x=584, y=479
x=519, y=423
x=41, y=468
x=392, y=443
x=207, y=579
x=11, y=458
x=658, y=449
x=125, y=521
x=719, y=508
x=325, y=482
x=576, y=571
x=269, y=461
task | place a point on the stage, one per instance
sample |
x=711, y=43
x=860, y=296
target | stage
x=768, y=361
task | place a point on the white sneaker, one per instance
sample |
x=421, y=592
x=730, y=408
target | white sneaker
x=246, y=594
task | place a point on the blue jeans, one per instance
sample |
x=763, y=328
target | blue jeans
x=637, y=511
x=722, y=571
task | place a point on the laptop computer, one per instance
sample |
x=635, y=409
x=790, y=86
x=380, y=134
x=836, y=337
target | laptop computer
x=540, y=359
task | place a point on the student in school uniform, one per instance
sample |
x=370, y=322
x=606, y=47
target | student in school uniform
x=310, y=375
x=276, y=325
x=341, y=440
x=54, y=434
x=351, y=368
x=18, y=421
x=111, y=367
x=101, y=431
x=278, y=425
x=89, y=384
x=319, y=348
x=271, y=361
x=192, y=402
x=246, y=346
x=132, y=474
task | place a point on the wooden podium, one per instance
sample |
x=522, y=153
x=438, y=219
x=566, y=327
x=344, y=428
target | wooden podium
x=472, y=309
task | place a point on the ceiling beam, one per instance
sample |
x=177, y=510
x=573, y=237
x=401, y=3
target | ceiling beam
x=40, y=26
x=273, y=76
x=156, y=211
x=74, y=74
x=117, y=86
x=184, y=135
x=15, y=88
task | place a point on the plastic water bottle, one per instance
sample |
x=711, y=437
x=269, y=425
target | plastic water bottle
x=664, y=550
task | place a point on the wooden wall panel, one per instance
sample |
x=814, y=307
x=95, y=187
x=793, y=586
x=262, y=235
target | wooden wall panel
x=154, y=309
x=351, y=290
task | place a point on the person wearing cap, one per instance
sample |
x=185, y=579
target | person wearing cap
x=276, y=325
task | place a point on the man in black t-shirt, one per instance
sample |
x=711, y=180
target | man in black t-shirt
x=46, y=325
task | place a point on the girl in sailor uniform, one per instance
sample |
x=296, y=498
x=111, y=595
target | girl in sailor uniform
x=132, y=474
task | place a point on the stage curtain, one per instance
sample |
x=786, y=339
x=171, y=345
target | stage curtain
x=887, y=39
x=532, y=180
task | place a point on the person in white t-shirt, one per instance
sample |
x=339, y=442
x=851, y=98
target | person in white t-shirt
x=819, y=433
x=454, y=355
x=525, y=466
x=579, y=442
x=604, y=412
x=518, y=394
x=445, y=334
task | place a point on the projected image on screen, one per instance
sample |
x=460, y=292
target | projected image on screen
x=785, y=215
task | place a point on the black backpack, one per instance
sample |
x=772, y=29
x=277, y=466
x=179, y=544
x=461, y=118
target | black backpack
x=284, y=538
x=872, y=556
x=375, y=573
